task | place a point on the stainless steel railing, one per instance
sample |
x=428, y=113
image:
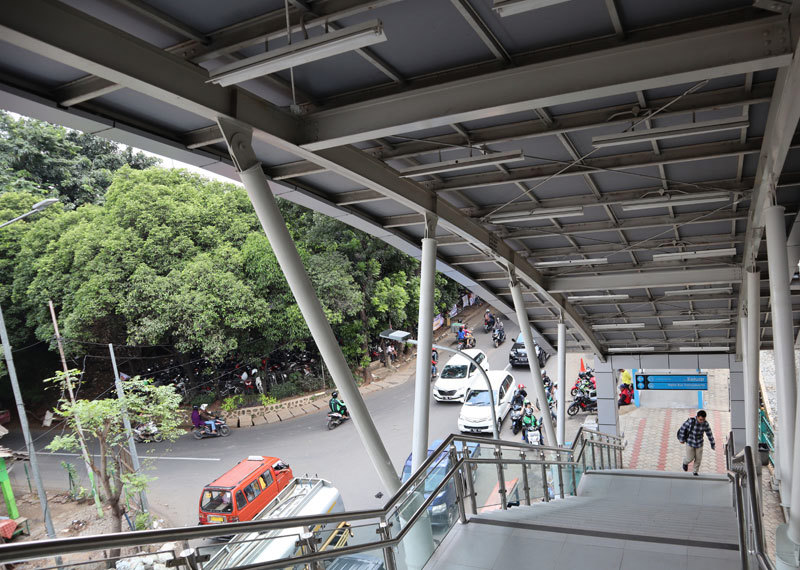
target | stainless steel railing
x=535, y=467
x=742, y=473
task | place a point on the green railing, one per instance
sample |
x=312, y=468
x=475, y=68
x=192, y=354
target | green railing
x=766, y=434
x=478, y=474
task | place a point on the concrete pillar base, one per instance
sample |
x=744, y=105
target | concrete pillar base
x=787, y=553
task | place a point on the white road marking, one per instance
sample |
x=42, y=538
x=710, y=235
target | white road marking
x=507, y=368
x=145, y=456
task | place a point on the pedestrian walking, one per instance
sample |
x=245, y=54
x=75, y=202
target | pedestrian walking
x=691, y=434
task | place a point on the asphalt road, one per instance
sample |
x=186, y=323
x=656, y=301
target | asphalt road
x=183, y=467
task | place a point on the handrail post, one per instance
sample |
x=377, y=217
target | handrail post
x=602, y=459
x=544, y=478
x=594, y=458
x=525, y=486
x=460, y=477
x=473, y=503
x=388, y=553
x=501, y=479
x=737, y=487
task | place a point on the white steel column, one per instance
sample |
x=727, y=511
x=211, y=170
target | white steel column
x=783, y=343
x=561, y=391
x=238, y=137
x=751, y=346
x=422, y=389
x=533, y=361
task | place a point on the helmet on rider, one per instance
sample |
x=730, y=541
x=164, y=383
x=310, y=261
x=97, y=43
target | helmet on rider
x=487, y=311
x=520, y=386
x=195, y=407
x=203, y=407
x=529, y=411
x=335, y=394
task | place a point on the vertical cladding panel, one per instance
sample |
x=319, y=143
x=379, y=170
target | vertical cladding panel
x=736, y=395
x=607, y=412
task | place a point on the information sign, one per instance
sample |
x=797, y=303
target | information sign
x=672, y=381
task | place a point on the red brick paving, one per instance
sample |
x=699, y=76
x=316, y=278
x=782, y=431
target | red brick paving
x=637, y=445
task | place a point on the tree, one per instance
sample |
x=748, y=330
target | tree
x=49, y=160
x=101, y=420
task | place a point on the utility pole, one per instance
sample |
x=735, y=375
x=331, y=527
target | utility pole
x=81, y=439
x=127, y=423
x=23, y=423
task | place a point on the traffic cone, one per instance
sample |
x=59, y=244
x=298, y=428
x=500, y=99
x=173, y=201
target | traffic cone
x=583, y=368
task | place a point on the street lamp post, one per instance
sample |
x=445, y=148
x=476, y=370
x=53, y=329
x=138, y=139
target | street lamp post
x=23, y=418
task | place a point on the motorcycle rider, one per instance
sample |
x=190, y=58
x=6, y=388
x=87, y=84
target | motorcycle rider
x=488, y=319
x=337, y=406
x=519, y=396
x=207, y=418
x=529, y=421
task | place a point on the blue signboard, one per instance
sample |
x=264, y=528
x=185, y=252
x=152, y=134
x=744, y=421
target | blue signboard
x=672, y=381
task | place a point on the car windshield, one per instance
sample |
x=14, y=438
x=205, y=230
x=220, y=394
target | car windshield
x=454, y=371
x=216, y=501
x=478, y=398
x=435, y=475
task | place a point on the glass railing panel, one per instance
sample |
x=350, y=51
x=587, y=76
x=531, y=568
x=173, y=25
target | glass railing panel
x=368, y=560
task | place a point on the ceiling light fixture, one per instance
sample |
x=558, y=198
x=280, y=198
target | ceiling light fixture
x=579, y=298
x=671, y=132
x=701, y=322
x=633, y=349
x=690, y=292
x=676, y=200
x=536, y=214
x=703, y=349
x=305, y=51
x=618, y=326
x=683, y=255
x=569, y=262
x=476, y=161
x=511, y=7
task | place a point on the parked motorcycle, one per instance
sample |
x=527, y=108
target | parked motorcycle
x=334, y=419
x=584, y=383
x=582, y=403
x=147, y=432
x=498, y=337
x=222, y=430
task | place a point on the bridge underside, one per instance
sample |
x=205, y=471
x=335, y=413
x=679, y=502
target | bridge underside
x=383, y=135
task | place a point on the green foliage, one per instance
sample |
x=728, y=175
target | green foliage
x=101, y=420
x=232, y=403
x=201, y=399
x=266, y=400
x=47, y=160
x=285, y=390
x=143, y=521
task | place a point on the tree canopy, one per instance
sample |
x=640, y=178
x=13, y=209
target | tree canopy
x=167, y=257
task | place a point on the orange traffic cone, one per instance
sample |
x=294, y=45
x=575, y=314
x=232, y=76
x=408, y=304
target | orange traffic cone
x=583, y=368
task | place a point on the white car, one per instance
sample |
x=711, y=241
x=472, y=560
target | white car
x=457, y=375
x=476, y=413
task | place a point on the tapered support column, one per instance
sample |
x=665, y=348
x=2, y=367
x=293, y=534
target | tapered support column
x=238, y=137
x=784, y=358
x=751, y=393
x=561, y=392
x=533, y=362
x=422, y=390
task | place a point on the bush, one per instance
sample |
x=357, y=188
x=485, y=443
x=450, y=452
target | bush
x=201, y=399
x=267, y=400
x=307, y=383
x=285, y=390
x=143, y=521
x=232, y=403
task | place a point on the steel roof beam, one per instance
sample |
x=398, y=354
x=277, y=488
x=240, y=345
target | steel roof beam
x=627, y=224
x=635, y=65
x=563, y=124
x=624, y=281
x=67, y=35
x=624, y=161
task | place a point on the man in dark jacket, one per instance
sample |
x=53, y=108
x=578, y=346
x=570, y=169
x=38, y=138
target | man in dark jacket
x=691, y=434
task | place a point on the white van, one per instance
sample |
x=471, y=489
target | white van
x=457, y=375
x=476, y=414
